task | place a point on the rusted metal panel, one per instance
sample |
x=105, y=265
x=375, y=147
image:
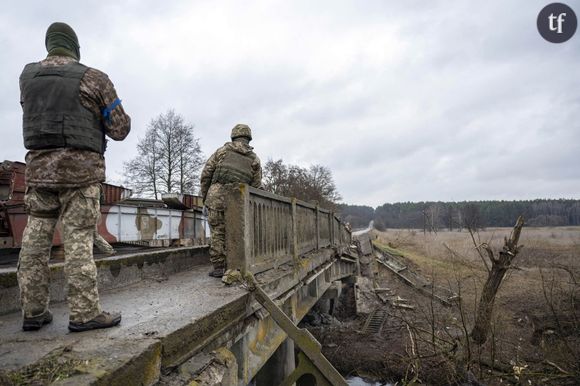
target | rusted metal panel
x=12, y=214
x=114, y=194
x=182, y=201
x=16, y=218
x=123, y=219
x=120, y=223
x=191, y=201
x=173, y=200
x=12, y=182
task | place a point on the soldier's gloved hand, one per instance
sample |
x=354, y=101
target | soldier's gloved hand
x=204, y=211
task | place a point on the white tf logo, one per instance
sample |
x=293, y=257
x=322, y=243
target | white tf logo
x=559, y=20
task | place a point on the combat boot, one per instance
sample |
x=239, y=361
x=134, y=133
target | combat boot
x=103, y=320
x=218, y=272
x=36, y=322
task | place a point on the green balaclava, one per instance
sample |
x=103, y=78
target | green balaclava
x=61, y=40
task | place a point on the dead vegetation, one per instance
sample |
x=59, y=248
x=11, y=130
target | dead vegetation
x=534, y=329
x=55, y=367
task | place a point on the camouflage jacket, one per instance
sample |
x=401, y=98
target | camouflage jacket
x=73, y=167
x=213, y=193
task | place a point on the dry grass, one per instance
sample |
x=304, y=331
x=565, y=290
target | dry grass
x=452, y=254
x=542, y=290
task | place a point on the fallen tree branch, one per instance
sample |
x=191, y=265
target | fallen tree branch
x=558, y=367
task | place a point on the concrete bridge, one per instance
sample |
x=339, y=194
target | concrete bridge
x=181, y=326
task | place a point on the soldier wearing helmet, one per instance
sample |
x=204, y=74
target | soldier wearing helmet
x=234, y=162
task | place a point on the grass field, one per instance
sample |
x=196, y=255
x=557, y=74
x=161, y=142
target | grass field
x=535, y=335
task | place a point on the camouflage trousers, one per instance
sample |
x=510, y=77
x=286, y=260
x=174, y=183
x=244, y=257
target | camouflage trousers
x=217, y=247
x=78, y=210
x=102, y=244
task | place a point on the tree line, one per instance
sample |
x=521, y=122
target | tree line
x=433, y=216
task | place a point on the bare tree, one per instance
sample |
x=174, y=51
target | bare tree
x=275, y=177
x=142, y=172
x=448, y=216
x=431, y=218
x=499, y=266
x=314, y=184
x=322, y=184
x=169, y=158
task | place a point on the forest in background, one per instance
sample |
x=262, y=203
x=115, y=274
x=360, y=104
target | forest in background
x=467, y=214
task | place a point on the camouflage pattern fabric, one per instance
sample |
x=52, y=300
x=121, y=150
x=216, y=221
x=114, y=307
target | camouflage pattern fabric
x=71, y=168
x=212, y=193
x=78, y=211
x=214, y=196
x=217, y=248
x=241, y=130
x=102, y=244
x=64, y=168
x=234, y=168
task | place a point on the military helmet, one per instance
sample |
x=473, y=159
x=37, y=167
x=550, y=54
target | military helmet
x=241, y=130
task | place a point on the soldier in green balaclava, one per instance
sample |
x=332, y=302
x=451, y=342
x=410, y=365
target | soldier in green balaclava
x=61, y=40
x=68, y=109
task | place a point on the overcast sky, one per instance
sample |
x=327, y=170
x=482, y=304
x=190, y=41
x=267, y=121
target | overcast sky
x=403, y=100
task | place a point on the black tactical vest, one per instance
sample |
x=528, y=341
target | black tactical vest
x=234, y=167
x=53, y=114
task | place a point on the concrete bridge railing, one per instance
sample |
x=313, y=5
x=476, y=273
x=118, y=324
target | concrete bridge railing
x=264, y=230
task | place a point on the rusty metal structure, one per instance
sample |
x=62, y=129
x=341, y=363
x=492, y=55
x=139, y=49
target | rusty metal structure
x=175, y=220
x=12, y=214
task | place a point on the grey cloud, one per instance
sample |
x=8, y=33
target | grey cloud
x=414, y=100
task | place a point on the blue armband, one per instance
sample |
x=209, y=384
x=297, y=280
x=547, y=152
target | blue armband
x=107, y=110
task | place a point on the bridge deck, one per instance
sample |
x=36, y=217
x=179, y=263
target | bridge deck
x=157, y=317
